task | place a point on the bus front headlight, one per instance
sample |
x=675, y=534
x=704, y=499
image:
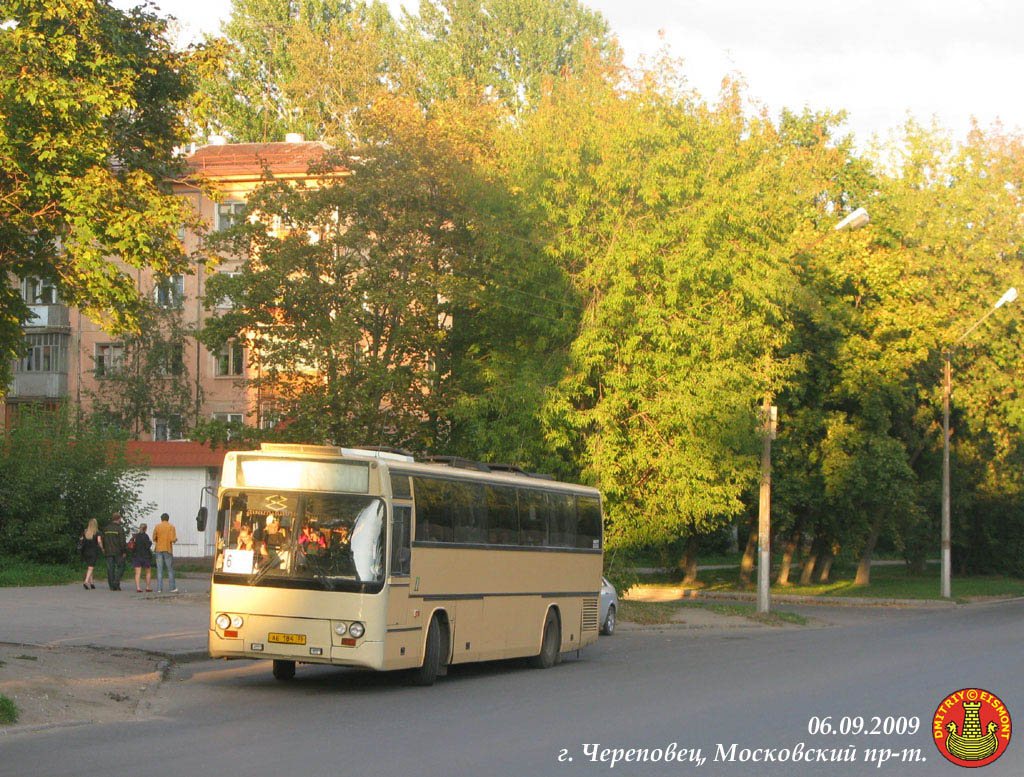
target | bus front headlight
x=340, y=629
x=356, y=630
x=222, y=621
x=236, y=621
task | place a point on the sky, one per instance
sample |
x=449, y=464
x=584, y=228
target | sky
x=875, y=59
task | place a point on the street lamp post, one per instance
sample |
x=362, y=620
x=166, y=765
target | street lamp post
x=1009, y=296
x=854, y=220
x=200, y=269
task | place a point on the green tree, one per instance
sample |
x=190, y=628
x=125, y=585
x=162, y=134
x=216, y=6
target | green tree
x=60, y=472
x=509, y=47
x=151, y=379
x=251, y=92
x=677, y=220
x=354, y=302
x=90, y=100
x=954, y=237
x=882, y=306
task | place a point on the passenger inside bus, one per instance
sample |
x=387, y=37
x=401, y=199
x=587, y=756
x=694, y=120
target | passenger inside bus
x=245, y=539
x=273, y=535
x=311, y=540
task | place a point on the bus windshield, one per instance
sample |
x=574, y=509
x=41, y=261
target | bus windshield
x=304, y=540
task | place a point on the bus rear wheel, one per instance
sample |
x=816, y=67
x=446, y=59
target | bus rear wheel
x=427, y=673
x=550, y=644
x=284, y=670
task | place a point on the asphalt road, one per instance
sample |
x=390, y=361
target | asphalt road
x=640, y=689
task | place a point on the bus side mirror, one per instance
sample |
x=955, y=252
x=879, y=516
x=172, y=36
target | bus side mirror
x=201, y=519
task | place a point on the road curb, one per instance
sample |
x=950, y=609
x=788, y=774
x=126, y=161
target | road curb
x=162, y=667
x=631, y=626
x=184, y=657
x=43, y=727
x=841, y=601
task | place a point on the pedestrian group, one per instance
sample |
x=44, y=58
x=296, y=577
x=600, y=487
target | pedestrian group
x=114, y=545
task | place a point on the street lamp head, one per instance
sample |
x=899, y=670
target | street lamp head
x=855, y=220
x=1009, y=296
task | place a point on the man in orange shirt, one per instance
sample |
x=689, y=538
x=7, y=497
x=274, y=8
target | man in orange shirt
x=164, y=537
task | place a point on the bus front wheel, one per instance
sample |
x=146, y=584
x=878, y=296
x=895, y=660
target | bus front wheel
x=427, y=673
x=550, y=644
x=284, y=670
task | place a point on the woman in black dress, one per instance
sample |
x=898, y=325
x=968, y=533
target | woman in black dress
x=92, y=544
x=142, y=558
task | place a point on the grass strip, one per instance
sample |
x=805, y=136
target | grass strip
x=16, y=571
x=8, y=712
x=887, y=582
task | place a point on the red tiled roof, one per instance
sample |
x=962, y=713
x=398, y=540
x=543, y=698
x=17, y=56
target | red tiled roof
x=251, y=158
x=176, y=454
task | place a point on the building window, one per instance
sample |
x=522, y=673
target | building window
x=230, y=361
x=170, y=292
x=228, y=214
x=172, y=360
x=229, y=418
x=225, y=302
x=46, y=353
x=270, y=416
x=39, y=292
x=167, y=427
x=109, y=359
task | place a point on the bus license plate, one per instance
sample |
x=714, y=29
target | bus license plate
x=287, y=639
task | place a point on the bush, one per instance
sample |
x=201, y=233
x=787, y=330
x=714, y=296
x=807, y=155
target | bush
x=58, y=473
x=8, y=712
x=990, y=539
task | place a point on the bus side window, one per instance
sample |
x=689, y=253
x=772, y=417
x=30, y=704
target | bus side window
x=469, y=512
x=563, y=524
x=400, y=488
x=589, y=533
x=433, y=511
x=400, y=539
x=533, y=517
x=502, y=516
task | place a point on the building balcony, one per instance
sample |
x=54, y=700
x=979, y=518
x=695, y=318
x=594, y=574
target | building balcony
x=49, y=316
x=38, y=385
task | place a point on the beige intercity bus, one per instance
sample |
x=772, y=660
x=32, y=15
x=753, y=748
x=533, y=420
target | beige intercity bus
x=372, y=559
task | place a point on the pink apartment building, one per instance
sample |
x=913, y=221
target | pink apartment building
x=70, y=355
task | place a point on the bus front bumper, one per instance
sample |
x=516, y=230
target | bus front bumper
x=304, y=640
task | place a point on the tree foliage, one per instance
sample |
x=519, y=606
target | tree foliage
x=151, y=379
x=60, y=472
x=526, y=251
x=90, y=100
x=250, y=92
x=678, y=220
x=512, y=48
x=365, y=304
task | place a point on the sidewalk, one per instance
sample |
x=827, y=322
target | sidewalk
x=671, y=594
x=68, y=615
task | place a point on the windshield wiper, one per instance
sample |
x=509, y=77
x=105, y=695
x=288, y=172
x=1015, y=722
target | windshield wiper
x=314, y=563
x=271, y=563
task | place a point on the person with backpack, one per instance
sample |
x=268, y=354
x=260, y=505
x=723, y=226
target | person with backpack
x=114, y=549
x=141, y=548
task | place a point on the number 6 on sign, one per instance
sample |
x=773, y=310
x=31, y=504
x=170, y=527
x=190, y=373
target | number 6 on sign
x=238, y=561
